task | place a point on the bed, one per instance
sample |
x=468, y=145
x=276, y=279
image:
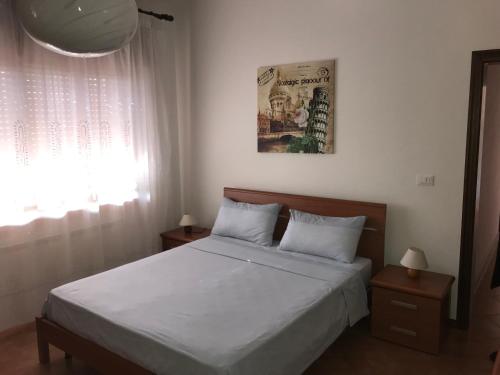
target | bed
x=218, y=305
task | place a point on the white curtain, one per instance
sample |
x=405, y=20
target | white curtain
x=89, y=171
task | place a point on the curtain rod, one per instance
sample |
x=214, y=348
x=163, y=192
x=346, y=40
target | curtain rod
x=165, y=17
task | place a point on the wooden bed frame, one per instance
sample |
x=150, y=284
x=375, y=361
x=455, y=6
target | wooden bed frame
x=371, y=246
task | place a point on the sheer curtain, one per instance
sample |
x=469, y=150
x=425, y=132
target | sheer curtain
x=89, y=171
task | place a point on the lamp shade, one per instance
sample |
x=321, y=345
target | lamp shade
x=414, y=259
x=187, y=220
x=81, y=28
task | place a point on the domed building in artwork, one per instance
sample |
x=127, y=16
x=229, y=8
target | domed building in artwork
x=280, y=101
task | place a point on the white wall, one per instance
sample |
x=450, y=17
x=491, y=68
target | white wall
x=401, y=106
x=488, y=197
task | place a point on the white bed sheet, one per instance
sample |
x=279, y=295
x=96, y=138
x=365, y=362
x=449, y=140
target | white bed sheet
x=214, y=306
x=360, y=264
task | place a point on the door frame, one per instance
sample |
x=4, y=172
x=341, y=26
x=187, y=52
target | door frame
x=479, y=61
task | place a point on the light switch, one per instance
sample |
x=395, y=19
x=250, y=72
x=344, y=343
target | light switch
x=425, y=180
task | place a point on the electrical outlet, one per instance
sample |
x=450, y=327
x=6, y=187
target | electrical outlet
x=425, y=180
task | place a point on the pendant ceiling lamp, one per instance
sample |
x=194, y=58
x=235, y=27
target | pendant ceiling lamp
x=81, y=28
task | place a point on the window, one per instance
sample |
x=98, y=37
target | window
x=66, y=143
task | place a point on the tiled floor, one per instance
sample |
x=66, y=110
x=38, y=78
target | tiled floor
x=354, y=353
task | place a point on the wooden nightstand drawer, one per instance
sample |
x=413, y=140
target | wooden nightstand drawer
x=179, y=237
x=411, y=306
x=170, y=244
x=401, y=329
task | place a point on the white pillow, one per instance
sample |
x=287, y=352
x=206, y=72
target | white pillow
x=326, y=236
x=246, y=221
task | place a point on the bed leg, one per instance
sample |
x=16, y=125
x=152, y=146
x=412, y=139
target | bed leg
x=43, y=346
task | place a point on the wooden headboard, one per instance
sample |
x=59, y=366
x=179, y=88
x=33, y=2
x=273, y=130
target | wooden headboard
x=371, y=244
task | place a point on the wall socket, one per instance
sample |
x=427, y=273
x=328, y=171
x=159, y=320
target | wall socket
x=425, y=180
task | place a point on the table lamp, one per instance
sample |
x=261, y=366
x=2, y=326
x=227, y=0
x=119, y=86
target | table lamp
x=187, y=222
x=414, y=260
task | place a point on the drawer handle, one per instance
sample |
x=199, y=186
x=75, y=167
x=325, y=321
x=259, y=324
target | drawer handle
x=403, y=331
x=405, y=305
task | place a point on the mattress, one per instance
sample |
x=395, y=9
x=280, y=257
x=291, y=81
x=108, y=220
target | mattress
x=215, y=307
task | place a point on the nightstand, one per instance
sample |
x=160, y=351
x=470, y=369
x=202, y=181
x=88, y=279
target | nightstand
x=411, y=312
x=177, y=237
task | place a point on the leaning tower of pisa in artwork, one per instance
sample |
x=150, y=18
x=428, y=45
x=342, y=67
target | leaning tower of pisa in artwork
x=318, y=116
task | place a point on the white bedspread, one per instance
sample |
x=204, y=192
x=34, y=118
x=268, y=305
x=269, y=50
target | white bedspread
x=214, y=306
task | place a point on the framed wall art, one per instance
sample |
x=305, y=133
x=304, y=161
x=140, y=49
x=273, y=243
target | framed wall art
x=295, y=107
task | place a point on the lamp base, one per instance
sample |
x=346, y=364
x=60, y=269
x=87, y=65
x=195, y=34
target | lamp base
x=413, y=274
x=188, y=229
